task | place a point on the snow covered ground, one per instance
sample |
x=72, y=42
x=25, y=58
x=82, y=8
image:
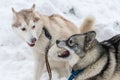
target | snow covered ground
x=16, y=60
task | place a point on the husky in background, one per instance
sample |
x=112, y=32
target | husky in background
x=90, y=59
x=37, y=30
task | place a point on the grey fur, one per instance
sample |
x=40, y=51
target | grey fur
x=101, y=60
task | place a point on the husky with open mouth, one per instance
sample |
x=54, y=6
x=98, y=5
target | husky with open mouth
x=90, y=59
x=38, y=29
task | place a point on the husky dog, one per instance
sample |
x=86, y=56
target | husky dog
x=90, y=59
x=37, y=30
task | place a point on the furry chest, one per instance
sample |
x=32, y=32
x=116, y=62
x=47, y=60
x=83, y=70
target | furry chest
x=40, y=46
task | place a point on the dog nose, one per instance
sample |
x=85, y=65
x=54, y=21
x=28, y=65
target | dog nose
x=33, y=40
x=57, y=41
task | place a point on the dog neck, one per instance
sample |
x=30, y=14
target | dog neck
x=91, y=56
x=75, y=73
x=93, y=63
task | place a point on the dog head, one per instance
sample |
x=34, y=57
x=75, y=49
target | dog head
x=27, y=24
x=78, y=44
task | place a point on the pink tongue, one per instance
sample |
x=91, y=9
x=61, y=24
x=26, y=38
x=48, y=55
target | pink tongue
x=65, y=53
x=31, y=45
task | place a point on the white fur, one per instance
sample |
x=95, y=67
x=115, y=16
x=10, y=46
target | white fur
x=58, y=27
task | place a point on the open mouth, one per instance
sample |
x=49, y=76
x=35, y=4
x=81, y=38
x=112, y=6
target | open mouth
x=64, y=54
x=31, y=45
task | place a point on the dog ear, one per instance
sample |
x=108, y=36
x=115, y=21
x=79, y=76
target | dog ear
x=14, y=11
x=33, y=7
x=89, y=38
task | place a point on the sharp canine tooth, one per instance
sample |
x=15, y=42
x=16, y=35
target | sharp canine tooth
x=59, y=54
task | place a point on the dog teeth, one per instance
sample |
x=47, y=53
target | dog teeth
x=59, y=54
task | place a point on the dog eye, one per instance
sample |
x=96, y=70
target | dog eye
x=70, y=42
x=23, y=29
x=33, y=26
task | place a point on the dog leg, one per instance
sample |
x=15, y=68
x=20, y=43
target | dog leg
x=39, y=67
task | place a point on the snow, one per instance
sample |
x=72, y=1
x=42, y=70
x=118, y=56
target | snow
x=16, y=58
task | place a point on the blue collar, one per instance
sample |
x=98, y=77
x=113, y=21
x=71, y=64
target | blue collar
x=75, y=73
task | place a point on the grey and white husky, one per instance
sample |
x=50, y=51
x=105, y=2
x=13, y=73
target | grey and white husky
x=91, y=59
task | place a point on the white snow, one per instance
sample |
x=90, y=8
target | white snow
x=16, y=60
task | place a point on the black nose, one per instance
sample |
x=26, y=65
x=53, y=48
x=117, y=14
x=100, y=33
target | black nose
x=33, y=40
x=57, y=41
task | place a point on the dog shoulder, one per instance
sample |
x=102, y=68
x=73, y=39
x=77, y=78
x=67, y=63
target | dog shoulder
x=62, y=22
x=54, y=16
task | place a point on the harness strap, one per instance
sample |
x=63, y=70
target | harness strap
x=48, y=35
x=75, y=73
x=47, y=62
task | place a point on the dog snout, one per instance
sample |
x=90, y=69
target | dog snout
x=33, y=40
x=57, y=41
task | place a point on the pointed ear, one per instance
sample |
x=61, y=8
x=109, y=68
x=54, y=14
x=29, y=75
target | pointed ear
x=13, y=10
x=33, y=7
x=89, y=40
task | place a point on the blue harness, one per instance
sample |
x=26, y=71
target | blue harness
x=75, y=73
